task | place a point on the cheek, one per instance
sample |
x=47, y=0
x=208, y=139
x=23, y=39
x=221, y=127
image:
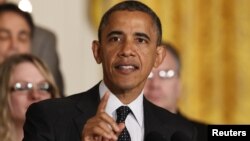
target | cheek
x=18, y=104
x=16, y=99
x=48, y=96
x=3, y=48
x=24, y=48
x=148, y=58
x=171, y=88
x=4, y=45
x=108, y=59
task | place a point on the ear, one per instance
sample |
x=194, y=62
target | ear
x=96, y=48
x=160, y=55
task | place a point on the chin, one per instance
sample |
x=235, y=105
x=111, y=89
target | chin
x=154, y=96
x=126, y=87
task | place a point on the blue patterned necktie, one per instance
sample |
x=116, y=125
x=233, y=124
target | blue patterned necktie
x=122, y=113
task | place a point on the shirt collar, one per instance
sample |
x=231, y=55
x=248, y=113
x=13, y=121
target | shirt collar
x=113, y=103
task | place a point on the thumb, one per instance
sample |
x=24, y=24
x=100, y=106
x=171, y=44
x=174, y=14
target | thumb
x=121, y=126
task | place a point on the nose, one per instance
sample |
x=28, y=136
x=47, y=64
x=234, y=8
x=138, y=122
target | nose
x=127, y=49
x=154, y=83
x=14, y=44
x=35, y=95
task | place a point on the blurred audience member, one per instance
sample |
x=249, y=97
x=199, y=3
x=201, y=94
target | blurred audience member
x=16, y=32
x=24, y=80
x=16, y=28
x=44, y=46
x=163, y=86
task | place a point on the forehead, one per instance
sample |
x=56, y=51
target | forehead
x=124, y=13
x=13, y=19
x=26, y=71
x=168, y=62
x=128, y=20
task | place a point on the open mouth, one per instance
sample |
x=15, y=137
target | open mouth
x=126, y=68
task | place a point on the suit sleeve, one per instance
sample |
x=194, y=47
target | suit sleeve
x=38, y=126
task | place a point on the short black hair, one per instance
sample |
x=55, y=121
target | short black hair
x=131, y=6
x=10, y=7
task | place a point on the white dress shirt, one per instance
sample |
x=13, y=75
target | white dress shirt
x=134, y=122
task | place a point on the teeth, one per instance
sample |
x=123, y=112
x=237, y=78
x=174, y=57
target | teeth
x=127, y=67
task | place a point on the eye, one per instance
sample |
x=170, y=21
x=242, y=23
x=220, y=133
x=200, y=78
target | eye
x=20, y=86
x=167, y=74
x=4, y=36
x=142, y=40
x=24, y=37
x=114, y=39
x=45, y=86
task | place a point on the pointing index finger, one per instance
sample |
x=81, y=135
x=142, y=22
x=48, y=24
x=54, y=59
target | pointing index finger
x=103, y=103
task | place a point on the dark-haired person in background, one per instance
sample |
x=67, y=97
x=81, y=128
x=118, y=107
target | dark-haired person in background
x=163, y=86
x=16, y=30
x=18, y=35
x=128, y=47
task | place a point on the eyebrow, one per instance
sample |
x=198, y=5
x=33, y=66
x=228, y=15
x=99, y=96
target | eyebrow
x=24, y=32
x=4, y=30
x=136, y=34
x=114, y=33
x=142, y=35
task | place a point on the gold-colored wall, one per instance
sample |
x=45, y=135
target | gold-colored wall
x=213, y=37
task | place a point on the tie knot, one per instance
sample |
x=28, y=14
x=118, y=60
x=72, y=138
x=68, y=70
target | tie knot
x=122, y=113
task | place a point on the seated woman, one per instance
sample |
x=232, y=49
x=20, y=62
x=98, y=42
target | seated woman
x=24, y=79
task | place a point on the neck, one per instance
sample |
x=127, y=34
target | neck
x=126, y=94
x=127, y=98
x=172, y=109
x=19, y=131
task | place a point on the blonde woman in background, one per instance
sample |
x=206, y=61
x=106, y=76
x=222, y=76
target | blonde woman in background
x=24, y=79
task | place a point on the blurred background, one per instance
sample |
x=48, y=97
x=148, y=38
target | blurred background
x=213, y=38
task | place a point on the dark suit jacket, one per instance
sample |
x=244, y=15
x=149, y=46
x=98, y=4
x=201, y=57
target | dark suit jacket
x=63, y=119
x=201, y=128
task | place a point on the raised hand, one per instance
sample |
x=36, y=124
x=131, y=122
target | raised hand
x=101, y=127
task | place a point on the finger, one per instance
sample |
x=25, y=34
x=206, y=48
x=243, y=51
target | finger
x=110, y=127
x=96, y=138
x=99, y=139
x=103, y=134
x=102, y=123
x=121, y=127
x=94, y=128
x=103, y=103
x=109, y=121
x=105, y=127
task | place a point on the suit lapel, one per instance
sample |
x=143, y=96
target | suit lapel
x=87, y=106
x=89, y=101
x=151, y=121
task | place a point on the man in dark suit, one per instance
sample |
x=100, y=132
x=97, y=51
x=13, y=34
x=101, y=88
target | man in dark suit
x=129, y=46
